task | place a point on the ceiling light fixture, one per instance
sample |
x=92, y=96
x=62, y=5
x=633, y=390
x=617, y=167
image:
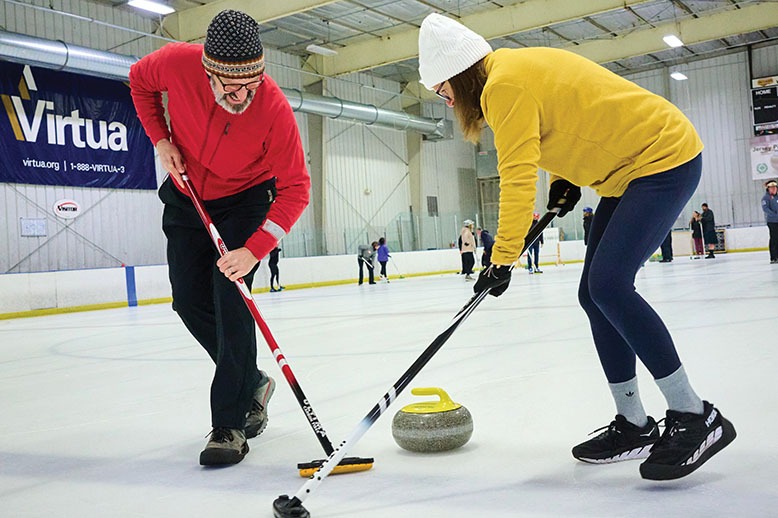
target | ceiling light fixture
x=154, y=7
x=673, y=41
x=678, y=76
x=322, y=51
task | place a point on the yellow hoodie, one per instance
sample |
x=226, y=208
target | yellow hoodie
x=553, y=109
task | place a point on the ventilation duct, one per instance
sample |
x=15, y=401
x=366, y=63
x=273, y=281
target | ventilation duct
x=29, y=50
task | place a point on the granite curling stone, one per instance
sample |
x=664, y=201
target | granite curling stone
x=432, y=426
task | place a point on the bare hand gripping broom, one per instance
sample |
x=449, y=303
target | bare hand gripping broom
x=344, y=465
x=285, y=507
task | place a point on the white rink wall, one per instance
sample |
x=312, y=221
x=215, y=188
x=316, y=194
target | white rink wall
x=26, y=294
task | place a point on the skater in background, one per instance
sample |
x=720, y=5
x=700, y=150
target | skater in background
x=273, y=265
x=588, y=215
x=233, y=133
x=643, y=157
x=534, y=250
x=696, y=228
x=708, y=222
x=365, y=257
x=770, y=208
x=467, y=249
x=383, y=257
x=487, y=241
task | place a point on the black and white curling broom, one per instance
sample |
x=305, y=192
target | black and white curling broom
x=285, y=507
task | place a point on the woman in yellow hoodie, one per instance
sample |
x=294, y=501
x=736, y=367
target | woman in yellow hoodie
x=586, y=126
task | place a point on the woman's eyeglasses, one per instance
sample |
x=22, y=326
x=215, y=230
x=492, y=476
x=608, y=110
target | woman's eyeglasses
x=236, y=87
x=442, y=96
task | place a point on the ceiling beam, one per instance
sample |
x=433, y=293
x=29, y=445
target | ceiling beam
x=496, y=23
x=191, y=24
x=722, y=24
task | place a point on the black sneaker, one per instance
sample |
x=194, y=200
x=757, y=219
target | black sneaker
x=688, y=441
x=226, y=446
x=620, y=441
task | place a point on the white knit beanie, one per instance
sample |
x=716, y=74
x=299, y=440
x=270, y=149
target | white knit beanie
x=446, y=48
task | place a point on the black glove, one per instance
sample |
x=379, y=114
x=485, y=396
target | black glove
x=564, y=195
x=496, y=278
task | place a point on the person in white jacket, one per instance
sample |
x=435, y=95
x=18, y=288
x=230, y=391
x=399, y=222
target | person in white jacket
x=467, y=248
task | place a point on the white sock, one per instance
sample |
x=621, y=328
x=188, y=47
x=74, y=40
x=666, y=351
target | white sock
x=679, y=393
x=628, y=404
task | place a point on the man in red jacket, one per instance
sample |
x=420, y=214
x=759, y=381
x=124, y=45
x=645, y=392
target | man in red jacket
x=233, y=133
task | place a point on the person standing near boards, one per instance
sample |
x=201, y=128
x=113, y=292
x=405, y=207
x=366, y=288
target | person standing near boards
x=770, y=208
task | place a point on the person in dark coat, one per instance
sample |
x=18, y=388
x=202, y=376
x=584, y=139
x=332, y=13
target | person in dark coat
x=709, y=230
x=488, y=242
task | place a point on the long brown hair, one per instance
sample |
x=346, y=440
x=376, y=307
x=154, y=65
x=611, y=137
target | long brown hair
x=468, y=87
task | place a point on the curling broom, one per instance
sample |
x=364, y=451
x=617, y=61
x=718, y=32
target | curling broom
x=286, y=507
x=346, y=465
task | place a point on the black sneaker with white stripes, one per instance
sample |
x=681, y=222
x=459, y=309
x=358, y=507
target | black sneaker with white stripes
x=620, y=441
x=688, y=441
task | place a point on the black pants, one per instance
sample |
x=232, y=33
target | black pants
x=773, y=227
x=209, y=304
x=274, y=273
x=468, y=261
x=362, y=264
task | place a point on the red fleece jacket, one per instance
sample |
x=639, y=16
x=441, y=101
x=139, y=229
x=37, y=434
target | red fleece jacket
x=224, y=153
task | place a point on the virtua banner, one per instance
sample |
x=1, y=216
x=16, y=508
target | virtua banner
x=58, y=128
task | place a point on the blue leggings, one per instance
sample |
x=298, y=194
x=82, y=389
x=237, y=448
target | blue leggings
x=625, y=232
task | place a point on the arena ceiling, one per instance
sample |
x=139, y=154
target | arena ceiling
x=380, y=36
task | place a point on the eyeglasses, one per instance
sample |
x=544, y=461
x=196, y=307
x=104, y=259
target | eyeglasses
x=442, y=96
x=236, y=87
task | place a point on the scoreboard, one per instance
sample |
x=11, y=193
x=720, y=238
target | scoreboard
x=764, y=100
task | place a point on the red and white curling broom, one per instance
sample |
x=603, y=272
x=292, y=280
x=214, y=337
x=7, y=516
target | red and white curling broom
x=285, y=507
x=344, y=465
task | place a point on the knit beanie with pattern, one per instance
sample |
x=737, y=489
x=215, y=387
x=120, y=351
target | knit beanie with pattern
x=446, y=48
x=232, y=46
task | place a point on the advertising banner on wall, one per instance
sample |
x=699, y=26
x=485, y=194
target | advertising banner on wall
x=58, y=128
x=764, y=157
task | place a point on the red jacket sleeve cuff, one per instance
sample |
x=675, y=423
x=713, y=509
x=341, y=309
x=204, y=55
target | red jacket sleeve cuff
x=261, y=243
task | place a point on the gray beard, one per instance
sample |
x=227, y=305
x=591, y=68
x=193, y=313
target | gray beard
x=235, y=109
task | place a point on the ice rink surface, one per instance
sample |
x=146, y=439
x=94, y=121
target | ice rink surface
x=104, y=413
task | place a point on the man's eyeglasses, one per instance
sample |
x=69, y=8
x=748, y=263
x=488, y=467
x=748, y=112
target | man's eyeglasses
x=442, y=96
x=236, y=87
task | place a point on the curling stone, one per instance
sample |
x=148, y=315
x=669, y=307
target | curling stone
x=432, y=426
